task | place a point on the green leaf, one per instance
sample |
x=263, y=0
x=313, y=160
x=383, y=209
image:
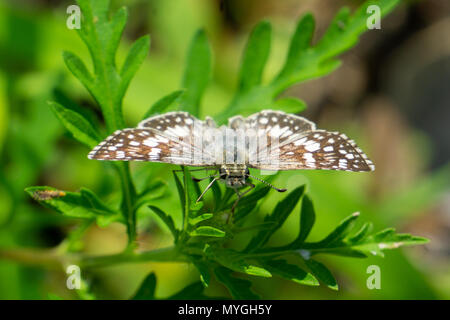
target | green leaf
x=303, y=62
x=307, y=220
x=255, y=57
x=235, y=261
x=181, y=193
x=191, y=204
x=197, y=73
x=117, y=25
x=84, y=204
x=76, y=124
x=279, y=215
x=386, y=240
x=339, y=233
x=201, y=218
x=290, y=272
x=193, y=291
x=163, y=104
x=207, y=231
x=147, y=289
x=133, y=61
x=290, y=105
x=299, y=43
x=238, y=288
x=166, y=219
x=79, y=70
x=362, y=233
x=322, y=273
x=203, y=269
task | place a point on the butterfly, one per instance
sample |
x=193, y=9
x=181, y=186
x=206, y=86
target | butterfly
x=267, y=140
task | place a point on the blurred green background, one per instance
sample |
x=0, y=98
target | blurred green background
x=391, y=95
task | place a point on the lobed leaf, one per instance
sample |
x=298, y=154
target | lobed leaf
x=290, y=272
x=84, y=204
x=133, y=61
x=167, y=220
x=278, y=216
x=338, y=234
x=322, y=273
x=76, y=124
x=238, y=288
x=235, y=261
x=207, y=231
x=163, y=104
x=193, y=291
x=255, y=57
x=197, y=73
x=290, y=105
x=79, y=70
x=146, y=291
x=203, y=269
x=307, y=220
x=201, y=218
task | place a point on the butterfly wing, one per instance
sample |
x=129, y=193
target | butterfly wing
x=294, y=143
x=169, y=138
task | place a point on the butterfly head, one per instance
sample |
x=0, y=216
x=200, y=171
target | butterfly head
x=234, y=175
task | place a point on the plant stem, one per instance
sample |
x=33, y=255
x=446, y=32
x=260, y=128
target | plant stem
x=54, y=259
x=128, y=199
x=169, y=254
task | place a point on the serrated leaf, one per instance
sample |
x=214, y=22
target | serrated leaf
x=279, y=215
x=79, y=70
x=181, y=193
x=203, y=269
x=306, y=62
x=238, y=288
x=146, y=290
x=163, y=104
x=207, y=231
x=76, y=124
x=387, y=240
x=193, y=291
x=339, y=233
x=290, y=272
x=197, y=73
x=307, y=220
x=235, y=261
x=201, y=218
x=83, y=205
x=133, y=61
x=300, y=41
x=117, y=25
x=290, y=105
x=362, y=233
x=166, y=219
x=255, y=57
x=322, y=273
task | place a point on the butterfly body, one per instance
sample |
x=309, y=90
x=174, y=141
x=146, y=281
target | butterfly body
x=234, y=175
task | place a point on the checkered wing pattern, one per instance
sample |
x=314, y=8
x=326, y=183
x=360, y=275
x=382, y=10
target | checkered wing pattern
x=301, y=146
x=167, y=138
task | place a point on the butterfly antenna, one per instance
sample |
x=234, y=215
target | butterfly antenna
x=268, y=184
x=207, y=188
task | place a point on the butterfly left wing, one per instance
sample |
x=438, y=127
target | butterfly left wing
x=168, y=138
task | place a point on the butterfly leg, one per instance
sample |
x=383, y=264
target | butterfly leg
x=239, y=196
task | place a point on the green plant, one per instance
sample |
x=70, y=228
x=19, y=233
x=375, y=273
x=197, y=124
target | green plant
x=204, y=238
